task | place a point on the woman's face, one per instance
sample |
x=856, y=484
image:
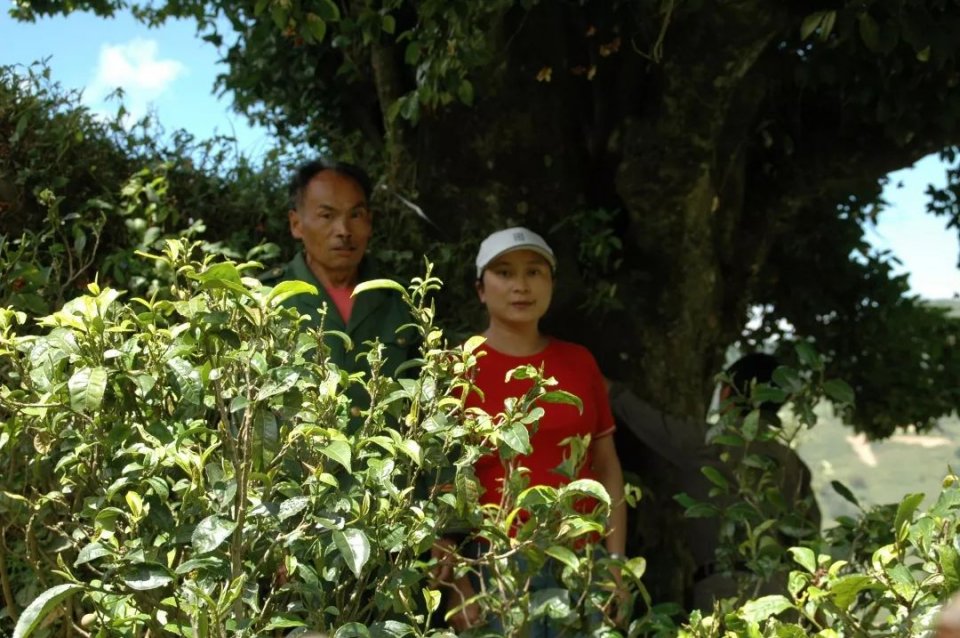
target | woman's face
x=517, y=287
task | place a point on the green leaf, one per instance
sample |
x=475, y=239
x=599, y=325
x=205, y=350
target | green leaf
x=565, y=398
x=751, y=425
x=352, y=630
x=788, y=379
x=378, y=284
x=188, y=380
x=845, y=589
x=35, y=613
x=135, y=503
x=845, y=492
x=328, y=10
x=146, y=576
x=286, y=289
x=714, y=476
x=339, y=452
x=465, y=92
x=949, y=560
x=412, y=449
x=284, y=622
x=206, y=562
x=411, y=55
x=840, y=391
x=563, y=555
x=314, y=28
x=586, y=487
x=517, y=438
x=870, y=33
x=905, y=511
x=766, y=393
x=473, y=343
x=826, y=25
x=636, y=567
x=390, y=629
x=808, y=356
x=210, y=533
x=810, y=24
x=354, y=547
x=87, y=387
x=762, y=608
x=273, y=388
x=279, y=14
x=223, y=272
x=432, y=598
x=701, y=510
x=805, y=557
x=292, y=507
x=536, y=496
x=388, y=23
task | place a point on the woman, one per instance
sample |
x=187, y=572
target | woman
x=515, y=269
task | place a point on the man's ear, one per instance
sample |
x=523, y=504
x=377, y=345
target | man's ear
x=725, y=392
x=294, y=219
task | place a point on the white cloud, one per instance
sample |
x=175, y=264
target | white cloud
x=134, y=67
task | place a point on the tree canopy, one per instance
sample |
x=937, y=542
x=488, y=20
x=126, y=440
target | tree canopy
x=690, y=160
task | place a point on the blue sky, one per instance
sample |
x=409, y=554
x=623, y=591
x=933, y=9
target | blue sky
x=171, y=72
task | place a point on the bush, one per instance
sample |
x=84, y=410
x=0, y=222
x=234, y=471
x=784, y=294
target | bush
x=79, y=194
x=186, y=466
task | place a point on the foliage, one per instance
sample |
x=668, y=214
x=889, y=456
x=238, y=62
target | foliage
x=867, y=578
x=886, y=571
x=185, y=464
x=79, y=194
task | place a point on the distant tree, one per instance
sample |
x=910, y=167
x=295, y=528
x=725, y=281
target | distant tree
x=691, y=160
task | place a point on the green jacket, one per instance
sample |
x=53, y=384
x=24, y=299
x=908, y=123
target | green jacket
x=377, y=314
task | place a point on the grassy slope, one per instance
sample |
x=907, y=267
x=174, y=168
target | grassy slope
x=901, y=468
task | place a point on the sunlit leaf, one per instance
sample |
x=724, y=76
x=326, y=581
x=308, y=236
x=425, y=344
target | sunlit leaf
x=354, y=547
x=762, y=608
x=87, y=387
x=35, y=613
x=146, y=576
x=563, y=555
x=286, y=289
x=339, y=452
x=292, y=507
x=517, y=438
x=210, y=533
x=378, y=284
x=804, y=557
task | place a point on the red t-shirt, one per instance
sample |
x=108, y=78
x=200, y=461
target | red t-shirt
x=576, y=372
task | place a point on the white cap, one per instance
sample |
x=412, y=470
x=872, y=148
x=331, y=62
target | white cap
x=517, y=238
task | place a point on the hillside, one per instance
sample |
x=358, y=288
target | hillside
x=876, y=472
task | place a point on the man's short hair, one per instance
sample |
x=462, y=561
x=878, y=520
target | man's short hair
x=756, y=367
x=306, y=172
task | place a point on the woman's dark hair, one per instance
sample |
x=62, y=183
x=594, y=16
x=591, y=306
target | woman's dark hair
x=756, y=367
x=306, y=172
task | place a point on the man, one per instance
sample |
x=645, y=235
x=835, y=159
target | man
x=668, y=453
x=330, y=214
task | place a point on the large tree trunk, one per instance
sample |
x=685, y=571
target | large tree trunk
x=675, y=171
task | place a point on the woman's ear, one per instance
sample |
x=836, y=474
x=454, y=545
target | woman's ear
x=479, y=287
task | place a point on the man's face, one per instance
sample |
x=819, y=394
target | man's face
x=334, y=223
